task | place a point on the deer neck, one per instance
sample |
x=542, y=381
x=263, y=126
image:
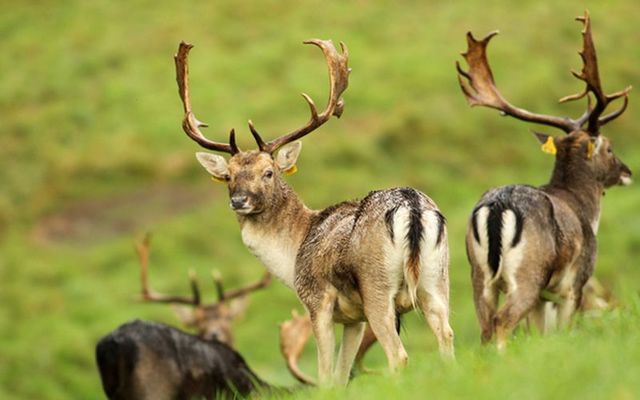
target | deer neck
x=574, y=183
x=275, y=235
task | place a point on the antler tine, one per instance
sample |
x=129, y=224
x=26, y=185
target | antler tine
x=243, y=291
x=338, y=80
x=480, y=89
x=591, y=77
x=294, y=334
x=190, y=124
x=148, y=294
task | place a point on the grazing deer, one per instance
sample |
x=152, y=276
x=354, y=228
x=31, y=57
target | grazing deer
x=148, y=360
x=356, y=261
x=522, y=240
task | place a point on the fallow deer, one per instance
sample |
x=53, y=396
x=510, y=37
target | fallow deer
x=522, y=240
x=149, y=360
x=356, y=261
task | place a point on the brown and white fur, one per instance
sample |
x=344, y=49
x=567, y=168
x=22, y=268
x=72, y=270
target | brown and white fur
x=523, y=240
x=356, y=261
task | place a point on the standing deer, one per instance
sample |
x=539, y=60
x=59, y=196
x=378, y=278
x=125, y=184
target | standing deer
x=356, y=261
x=148, y=360
x=522, y=240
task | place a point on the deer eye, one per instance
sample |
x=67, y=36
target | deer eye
x=609, y=150
x=226, y=178
x=268, y=174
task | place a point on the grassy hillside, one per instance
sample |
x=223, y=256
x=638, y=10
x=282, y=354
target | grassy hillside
x=93, y=156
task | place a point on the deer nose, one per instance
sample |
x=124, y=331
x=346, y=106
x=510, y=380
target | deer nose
x=239, y=201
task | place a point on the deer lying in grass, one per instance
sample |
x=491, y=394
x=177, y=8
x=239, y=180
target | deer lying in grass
x=523, y=240
x=148, y=360
x=356, y=261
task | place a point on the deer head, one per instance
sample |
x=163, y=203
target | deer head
x=254, y=177
x=212, y=321
x=581, y=154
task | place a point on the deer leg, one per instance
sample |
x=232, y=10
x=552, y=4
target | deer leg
x=537, y=317
x=567, y=308
x=351, y=338
x=380, y=313
x=322, y=324
x=485, y=300
x=517, y=304
x=434, y=306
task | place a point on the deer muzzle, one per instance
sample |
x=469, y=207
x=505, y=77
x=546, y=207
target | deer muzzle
x=625, y=175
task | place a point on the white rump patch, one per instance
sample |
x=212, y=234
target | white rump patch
x=511, y=257
x=481, y=250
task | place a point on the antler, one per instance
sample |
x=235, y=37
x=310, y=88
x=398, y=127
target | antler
x=148, y=294
x=338, y=80
x=190, y=124
x=480, y=89
x=591, y=77
x=294, y=334
x=243, y=291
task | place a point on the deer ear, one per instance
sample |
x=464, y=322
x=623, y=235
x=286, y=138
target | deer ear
x=238, y=307
x=593, y=147
x=214, y=164
x=287, y=157
x=548, y=143
x=185, y=315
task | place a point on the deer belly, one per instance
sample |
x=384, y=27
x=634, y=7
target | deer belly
x=403, y=300
x=348, y=309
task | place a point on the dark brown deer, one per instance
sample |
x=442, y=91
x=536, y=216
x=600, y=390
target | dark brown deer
x=523, y=240
x=149, y=360
x=356, y=261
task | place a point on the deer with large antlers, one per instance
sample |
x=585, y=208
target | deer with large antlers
x=523, y=240
x=149, y=360
x=366, y=260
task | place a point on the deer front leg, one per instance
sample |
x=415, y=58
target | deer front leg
x=322, y=323
x=351, y=338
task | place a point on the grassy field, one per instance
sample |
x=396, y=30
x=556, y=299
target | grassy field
x=93, y=156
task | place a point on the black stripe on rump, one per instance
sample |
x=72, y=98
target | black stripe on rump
x=494, y=232
x=494, y=226
x=474, y=224
x=416, y=230
x=388, y=220
x=442, y=221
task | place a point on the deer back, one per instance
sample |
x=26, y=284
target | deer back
x=147, y=360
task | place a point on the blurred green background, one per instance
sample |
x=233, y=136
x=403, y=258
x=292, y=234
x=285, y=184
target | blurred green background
x=93, y=156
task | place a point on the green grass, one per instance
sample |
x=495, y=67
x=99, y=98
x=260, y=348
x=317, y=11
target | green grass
x=93, y=155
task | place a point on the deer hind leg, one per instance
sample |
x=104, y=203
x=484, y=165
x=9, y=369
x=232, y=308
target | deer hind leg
x=434, y=304
x=380, y=312
x=485, y=299
x=517, y=304
x=351, y=338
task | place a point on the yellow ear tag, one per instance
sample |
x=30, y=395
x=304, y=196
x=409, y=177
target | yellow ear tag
x=291, y=170
x=549, y=147
x=218, y=180
x=590, y=148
